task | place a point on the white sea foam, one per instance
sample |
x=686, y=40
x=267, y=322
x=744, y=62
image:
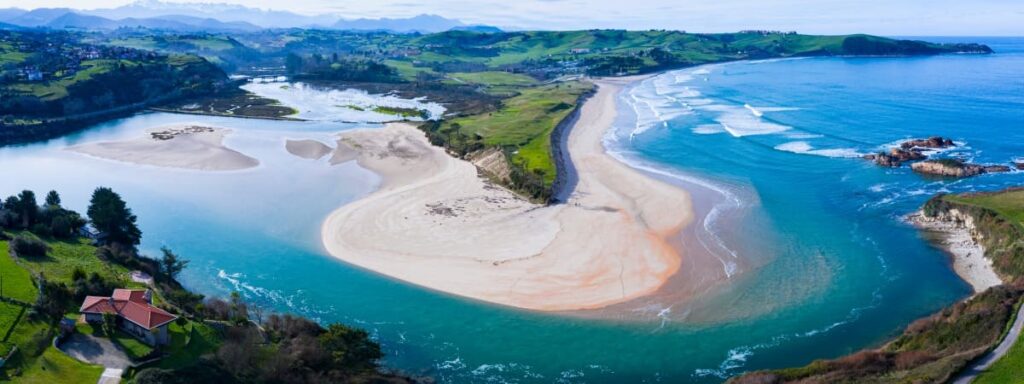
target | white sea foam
x=708, y=238
x=739, y=123
x=804, y=148
x=708, y=129
x=753, y=110
x=803, y=135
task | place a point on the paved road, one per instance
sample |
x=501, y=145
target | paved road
x=981, y=364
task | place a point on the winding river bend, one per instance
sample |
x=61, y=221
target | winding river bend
x=829, y=267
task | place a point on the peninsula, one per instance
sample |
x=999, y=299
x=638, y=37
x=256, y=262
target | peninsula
x=614, y=240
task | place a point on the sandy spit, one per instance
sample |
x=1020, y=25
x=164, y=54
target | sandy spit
x=187, y=146
x=307, y=149
x=435, y=223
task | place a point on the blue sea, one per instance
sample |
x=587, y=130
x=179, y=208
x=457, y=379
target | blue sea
x=821, y=260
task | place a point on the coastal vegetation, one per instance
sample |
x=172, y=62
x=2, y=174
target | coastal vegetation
x=52, y=83
x=521, y=128
x=936, y=348
x=46, y=277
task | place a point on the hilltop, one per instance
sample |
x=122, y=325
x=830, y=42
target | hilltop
x=51, y=83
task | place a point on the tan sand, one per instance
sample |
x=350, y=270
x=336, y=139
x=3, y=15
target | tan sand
x=188, y=146
x=969, y=261
x=307, y=149
x=435, y=223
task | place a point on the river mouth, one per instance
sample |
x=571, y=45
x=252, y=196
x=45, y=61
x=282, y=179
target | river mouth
x=839, y=271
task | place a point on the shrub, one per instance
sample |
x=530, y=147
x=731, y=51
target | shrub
x=26, y=246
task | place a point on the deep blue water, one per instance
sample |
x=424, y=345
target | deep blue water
x=826, y=266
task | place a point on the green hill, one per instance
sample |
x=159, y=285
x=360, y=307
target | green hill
x=52, y=83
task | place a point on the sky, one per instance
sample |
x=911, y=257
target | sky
x=884, y=17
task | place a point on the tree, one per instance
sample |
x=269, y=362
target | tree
x=171, y=264
x=53, y=199
x=111, y=216
x=293, y=63
x=28, y=209
x=350, y=348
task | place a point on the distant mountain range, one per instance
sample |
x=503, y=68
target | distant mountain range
x=215, y=17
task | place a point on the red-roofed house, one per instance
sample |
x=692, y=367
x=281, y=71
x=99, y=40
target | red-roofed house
x=135, y=314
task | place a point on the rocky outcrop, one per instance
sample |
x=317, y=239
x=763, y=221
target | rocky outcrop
x=947, y=168
x=1019, y=165
x=955, y=168
x=996, y=168
x=931, y=142
x=910, y=150
x=896, y=157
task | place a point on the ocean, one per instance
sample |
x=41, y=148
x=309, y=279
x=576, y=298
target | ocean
x=822, y=263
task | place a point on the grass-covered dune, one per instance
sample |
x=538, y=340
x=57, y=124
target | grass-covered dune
x=521, y=128
x=936, y=348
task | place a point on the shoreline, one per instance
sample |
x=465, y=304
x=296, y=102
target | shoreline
x=191, y=146
x=615, y=239
x=955, y=237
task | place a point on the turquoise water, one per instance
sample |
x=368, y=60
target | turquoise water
x=824, y=266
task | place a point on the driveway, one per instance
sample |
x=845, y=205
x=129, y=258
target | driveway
x=95, y=350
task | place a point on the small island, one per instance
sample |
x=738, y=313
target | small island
x=187, y=146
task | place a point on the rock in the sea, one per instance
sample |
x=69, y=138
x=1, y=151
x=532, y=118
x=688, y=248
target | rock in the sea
x=910, y=150
x=931, y=142
x=996, y=168
x=955, y=168
x=896, y=157
x=1019, y=165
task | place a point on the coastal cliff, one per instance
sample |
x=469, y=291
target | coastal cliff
x=999, y=233
x=937, y=348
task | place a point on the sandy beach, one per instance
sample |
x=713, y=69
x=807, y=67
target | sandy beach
x=188, y=146
x=307, y=149
x=968, y=256
x=436, y=223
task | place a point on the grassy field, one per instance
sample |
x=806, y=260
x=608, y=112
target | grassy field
x=1008, y=204
x=134, y=348
x=17, y=282
x=1008, y=370
x=407, y=71
x=188, y=343
x=54, y=366
x=524, y=123
x=65, y=256
x=492, y=78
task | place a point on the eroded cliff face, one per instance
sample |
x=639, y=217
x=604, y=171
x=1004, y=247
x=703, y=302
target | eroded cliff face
x=1002, y=239
x=493, y=163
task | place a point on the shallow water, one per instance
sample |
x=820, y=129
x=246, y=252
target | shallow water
x=824, y=266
